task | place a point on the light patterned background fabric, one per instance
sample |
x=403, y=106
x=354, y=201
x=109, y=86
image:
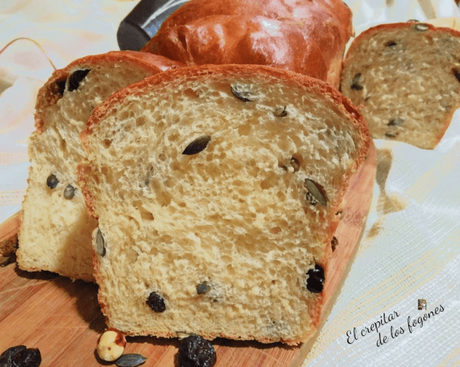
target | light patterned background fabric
x=411, y=245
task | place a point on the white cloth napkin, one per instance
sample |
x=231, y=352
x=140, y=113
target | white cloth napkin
x=411, y=246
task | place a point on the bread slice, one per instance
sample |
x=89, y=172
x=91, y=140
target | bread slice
x=406, y=77
x=216, y=190
x=303, y=36
x=55, y=233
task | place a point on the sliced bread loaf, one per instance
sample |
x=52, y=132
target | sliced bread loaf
x=55, y=233
x=406, y=79
x=216, y=190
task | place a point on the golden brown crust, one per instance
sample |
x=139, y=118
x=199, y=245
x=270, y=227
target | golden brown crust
x=49, y=94
x=325, y=25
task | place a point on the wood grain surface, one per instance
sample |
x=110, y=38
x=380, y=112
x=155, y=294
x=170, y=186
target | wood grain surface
x=63, y=319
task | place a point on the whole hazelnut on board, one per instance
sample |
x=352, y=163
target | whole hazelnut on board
x=111, y=345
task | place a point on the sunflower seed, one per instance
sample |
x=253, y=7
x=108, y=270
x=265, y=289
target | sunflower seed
x=203, y=288
x=421, y=27
x=100, y=243
x=395, y=122
x=355, y=82
x=280, y=112
x=69, y=192
x=313, y=189
x=242, y=93
x=197, y=145
x=130, y=360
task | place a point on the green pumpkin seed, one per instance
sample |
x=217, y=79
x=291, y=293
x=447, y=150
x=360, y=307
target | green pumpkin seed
x=130, y=360
x=315, y=192
x=100, y=243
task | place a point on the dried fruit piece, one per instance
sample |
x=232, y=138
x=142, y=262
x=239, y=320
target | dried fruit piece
x=69, y=192
x=315, y=192
x=203, y=288
x=334, y=243
x=395, y=122
x=315, y=279
x=156, y=302
x=280, y=112
x=100, y=243
x=52, y=181
x=21, y=356
x=242, y=93
x=194, y=351
x=421, y=27
x=111, y=345
x=76, y=77
x=355, y=85
x=130, y=360
x=197, y=145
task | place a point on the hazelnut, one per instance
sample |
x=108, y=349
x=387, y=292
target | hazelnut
x=111, y=345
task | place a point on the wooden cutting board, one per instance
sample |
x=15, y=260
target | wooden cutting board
x=63, y=319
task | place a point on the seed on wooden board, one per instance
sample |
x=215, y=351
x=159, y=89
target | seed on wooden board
x=313, y=189
x=242, y=93
x=130, y=360
x=100, y=243
x=197, y=145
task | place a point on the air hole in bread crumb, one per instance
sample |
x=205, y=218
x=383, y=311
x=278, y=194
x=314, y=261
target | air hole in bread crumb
x=182, y=205
x=107, y=143
x=244, y=129
x=275, y=230
x=140, y=121
x=162, y=157
x=190, y=93
x=63, y=145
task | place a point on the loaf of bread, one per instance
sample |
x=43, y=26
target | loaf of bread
x=306, y=36
x=406, y=79
x=216, y=190
x=55, y=233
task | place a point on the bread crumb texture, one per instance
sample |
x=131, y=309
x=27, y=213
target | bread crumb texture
x=55, y=233
x=198, y=182
x=406, y=76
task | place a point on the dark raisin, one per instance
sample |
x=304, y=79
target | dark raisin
x=203, y=288
x=334, y=243
x=242, y=93
x=21, y=356
x=156, y=302
x=100, y=243
x=130, y=360
x=52, y=181
x=197, y=145
x=76, y=77
x=355, y=82
x=280, y=112
x=315, y=279
x=395, y=122
x=421, y=27
x=315, y=191
x=194, y=351
x=456, y=73
x=390, y=44
x=69, y=192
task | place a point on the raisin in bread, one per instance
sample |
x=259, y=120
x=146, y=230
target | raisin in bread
x=308, y=37
x=406, y=77
x=55, y=233
x=216, y=189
